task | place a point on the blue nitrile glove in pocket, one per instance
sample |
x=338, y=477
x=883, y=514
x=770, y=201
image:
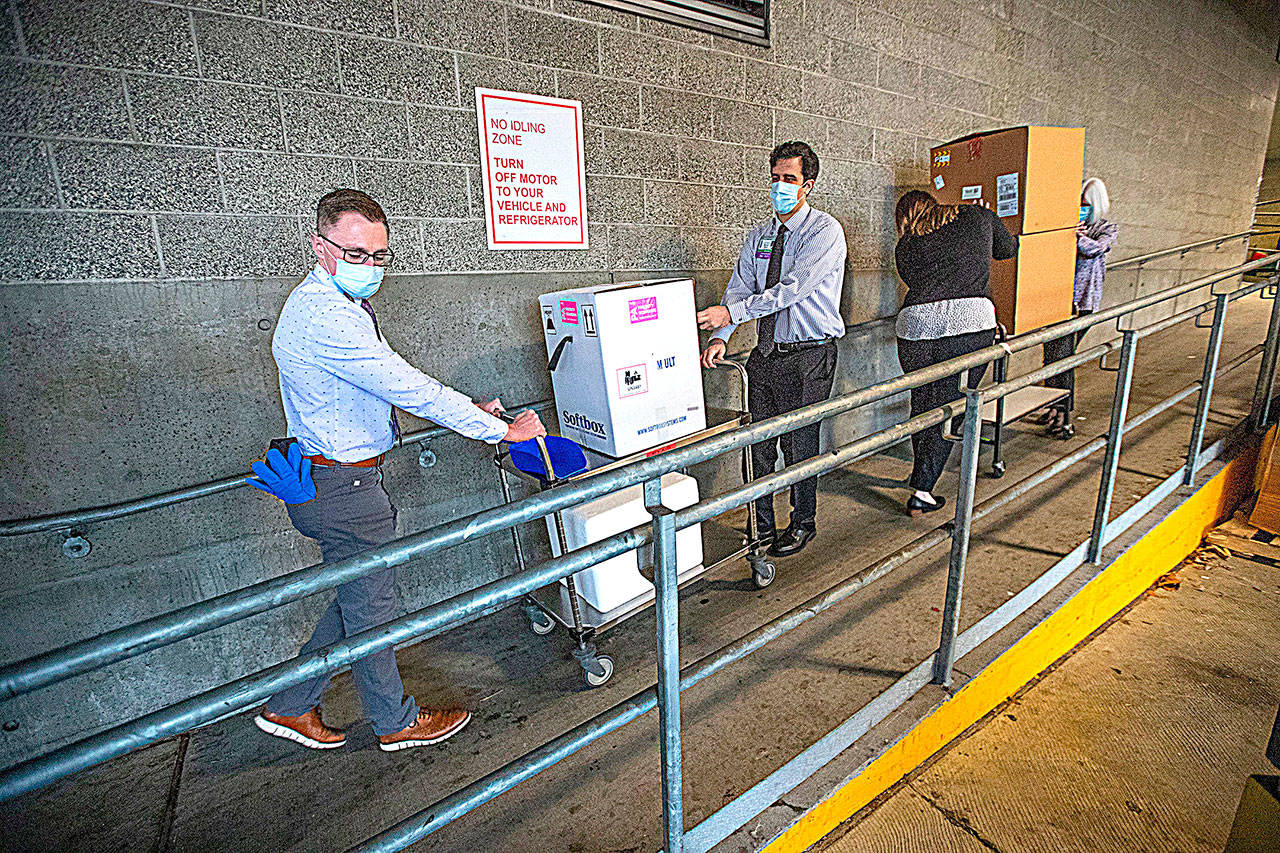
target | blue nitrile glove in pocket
x=287, y=479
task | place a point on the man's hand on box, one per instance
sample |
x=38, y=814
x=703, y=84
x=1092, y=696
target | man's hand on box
x=714, y=318
x=525, y=426
x=713, y=354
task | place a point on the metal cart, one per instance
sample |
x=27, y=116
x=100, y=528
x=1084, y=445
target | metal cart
x=561, y=604
x=1013, y=407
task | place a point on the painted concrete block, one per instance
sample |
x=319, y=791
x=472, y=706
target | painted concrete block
x=678, y=114
x=554, y=41
x=27, y=181
x=443, y=135
x=113, y=176
x=279, y=183
x=190, y=112
x=710, y=72
x=745, y=124
x=473, y=26
x=370, y=17
x=140, y=36
x=231, y=246
x=72, y=246
x=53, y=100
x=415, y=189
x=488, y=73
x=251, y=50
x=323, y=124
x=394, y=71
x=611, y=103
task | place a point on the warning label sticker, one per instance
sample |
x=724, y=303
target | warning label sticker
x=548, y=320
x=589, y=320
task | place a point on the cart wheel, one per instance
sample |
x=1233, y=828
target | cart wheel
x=763, y=573
x=540, y=623
x=1067, y=432
x=997, y=469
x=600, y=680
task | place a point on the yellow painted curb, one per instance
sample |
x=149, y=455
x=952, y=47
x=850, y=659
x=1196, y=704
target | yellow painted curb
x=1101, y=598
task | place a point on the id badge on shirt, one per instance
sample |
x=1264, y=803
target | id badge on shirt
x=764, y=249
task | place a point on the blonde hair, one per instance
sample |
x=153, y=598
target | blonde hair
x=919, y=213
x=1095, y=194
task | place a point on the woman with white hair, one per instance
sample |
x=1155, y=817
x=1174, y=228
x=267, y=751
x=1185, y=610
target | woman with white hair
x=1094, y=237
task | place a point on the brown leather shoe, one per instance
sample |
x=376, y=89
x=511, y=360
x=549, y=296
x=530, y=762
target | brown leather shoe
x=307, y=729
x=430, y=727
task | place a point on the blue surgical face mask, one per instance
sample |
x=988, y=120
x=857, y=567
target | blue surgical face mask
x=1086, y=210
x=359, y=281
x=784, y=196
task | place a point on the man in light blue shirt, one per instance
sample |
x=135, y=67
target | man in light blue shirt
x=788, y=279
x=339, y=382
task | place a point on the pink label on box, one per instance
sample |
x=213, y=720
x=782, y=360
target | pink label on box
x=569, y=312
x=643, y=309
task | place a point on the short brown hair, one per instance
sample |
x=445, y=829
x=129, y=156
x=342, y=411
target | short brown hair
x=919, y=213
x=332, y=205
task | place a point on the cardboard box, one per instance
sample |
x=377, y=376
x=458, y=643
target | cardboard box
x=1033, y=289
x=617, y=583
x=1031, y=176
x=627, y=377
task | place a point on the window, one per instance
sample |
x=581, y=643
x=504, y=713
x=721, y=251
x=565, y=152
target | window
x=744, y=20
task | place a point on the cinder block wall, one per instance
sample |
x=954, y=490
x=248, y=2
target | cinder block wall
x=161, y=161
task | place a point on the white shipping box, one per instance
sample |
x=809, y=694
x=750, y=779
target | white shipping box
x=629, y=378
x=617, y=582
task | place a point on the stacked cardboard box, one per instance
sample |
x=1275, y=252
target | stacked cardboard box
x=1031, y=177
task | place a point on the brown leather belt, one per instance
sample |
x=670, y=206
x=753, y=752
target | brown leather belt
x=363, y=463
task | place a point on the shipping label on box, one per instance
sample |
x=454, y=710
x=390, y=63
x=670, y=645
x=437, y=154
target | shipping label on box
x=629, y=379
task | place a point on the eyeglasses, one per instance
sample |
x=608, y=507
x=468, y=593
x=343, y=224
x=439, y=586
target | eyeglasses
x=359, y=256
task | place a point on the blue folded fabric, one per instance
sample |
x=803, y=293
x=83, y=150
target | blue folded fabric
x=567, y=457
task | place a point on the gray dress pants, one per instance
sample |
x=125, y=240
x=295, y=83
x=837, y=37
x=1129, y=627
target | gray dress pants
x=352, y=512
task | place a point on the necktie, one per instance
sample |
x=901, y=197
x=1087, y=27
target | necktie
x=395, y=424
x=766, y=324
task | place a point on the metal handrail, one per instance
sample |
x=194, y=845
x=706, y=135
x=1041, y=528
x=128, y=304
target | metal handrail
x=131, y=640
x=108, y=512
x=164, y=629
x=1183, y=249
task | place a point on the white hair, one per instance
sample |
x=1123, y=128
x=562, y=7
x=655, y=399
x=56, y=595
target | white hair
x=1095, y=194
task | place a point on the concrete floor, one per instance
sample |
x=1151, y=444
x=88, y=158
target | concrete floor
x=1140, y=741
x=236, y=789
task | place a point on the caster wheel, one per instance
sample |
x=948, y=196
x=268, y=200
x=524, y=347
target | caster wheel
x=1067, y=432
x=997, y=470
x=541, y=624
x=763, y=574
x=594, y=680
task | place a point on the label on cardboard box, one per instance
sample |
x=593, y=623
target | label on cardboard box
x=1007, y=194
x=569, y=313
x=938, y=182
x=633, y=380
x=974, y=191
x=644, y=309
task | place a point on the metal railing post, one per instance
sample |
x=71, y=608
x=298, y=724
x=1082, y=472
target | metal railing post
x=667, y=610
x=944, y=661
x=1115, y=433
x=1206, y=388
x=1262, y=391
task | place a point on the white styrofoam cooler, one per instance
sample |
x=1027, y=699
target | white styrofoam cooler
x=629, y=380
x=617, y=582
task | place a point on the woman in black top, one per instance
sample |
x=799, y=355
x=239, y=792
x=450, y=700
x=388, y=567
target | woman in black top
x=944, y=258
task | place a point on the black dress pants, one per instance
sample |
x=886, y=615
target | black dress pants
x=1056, y=350
x=779, y=383
x=929, y=448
